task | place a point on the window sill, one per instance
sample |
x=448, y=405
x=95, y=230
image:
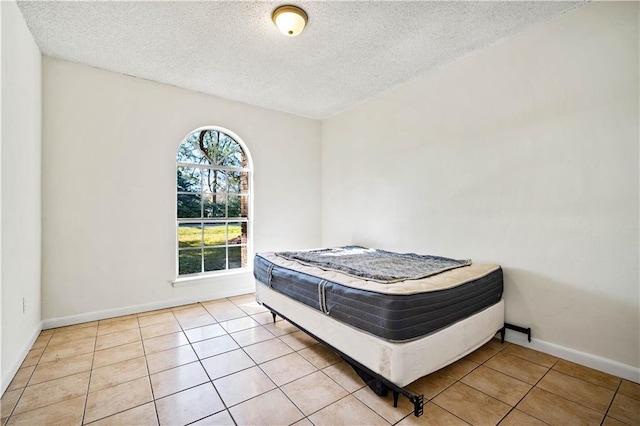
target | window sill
x=202, y=279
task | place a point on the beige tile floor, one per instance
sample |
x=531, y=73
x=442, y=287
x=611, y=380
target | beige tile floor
x=225, y=362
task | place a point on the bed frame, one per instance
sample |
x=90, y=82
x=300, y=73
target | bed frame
x=379, y=384
x=386, y=365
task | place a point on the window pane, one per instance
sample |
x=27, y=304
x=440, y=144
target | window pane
x=214, y=181
x=203, y=141
x=207, y=205
x=237, y=257
x=190, y=235
x=188, y=205
x=234, y=206
x=215, y=234
x=238, y=206
x=210, y=143
x=231, y=154
x=219, y=205
x=235, y=233
x=235, y=158
x=215, y=259
x=189, y=179
x=189, y=152
x=238, y=182
x=189, y=261
x=214, y=205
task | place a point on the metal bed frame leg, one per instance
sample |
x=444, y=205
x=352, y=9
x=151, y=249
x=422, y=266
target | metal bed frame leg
x=395, y=398
x=418, y=404
x=519, y=329
x=273, y=314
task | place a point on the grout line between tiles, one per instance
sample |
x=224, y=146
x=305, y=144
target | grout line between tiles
x=115, y=414
x=486, y=366
x=453, y=414
x=86, y=394
x=325, y=406
x=317, y=370
x=534, y=362
x=144, y=351
x=17, y=401
x=277, y=386
x=615, y=393
x=560, y=396
x=576, y=402
x=440, y=406
x=224, y=404
x=52, y=403
x=29, y=379
x=507, y=374
x=587, y=382
x=529, y=391
x=128, y=381
x=456, y=381
x=567, y=399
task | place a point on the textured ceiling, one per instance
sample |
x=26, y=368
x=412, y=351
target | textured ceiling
x=349, y=52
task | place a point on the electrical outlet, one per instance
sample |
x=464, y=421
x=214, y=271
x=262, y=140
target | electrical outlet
x=24, y=305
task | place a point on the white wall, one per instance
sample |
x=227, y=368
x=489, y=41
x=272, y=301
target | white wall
x=523, y=154
x=109, y=149
x=20, y=193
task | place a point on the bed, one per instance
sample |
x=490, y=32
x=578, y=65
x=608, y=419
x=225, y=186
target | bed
x=391, y=328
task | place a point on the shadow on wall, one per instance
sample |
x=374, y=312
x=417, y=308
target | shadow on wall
x=567, y=315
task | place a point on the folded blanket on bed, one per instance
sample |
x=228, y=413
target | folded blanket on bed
x=372, y=264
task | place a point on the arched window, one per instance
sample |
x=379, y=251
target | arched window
x=213, y=199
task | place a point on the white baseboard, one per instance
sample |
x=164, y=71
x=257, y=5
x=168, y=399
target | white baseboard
x=7, y=376
x=593, y=361
x=135, y=309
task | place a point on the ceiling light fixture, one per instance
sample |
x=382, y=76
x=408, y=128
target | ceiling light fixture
x=290, y=20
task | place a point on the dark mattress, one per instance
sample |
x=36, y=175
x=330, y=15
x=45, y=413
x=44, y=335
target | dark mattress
x=388, y=316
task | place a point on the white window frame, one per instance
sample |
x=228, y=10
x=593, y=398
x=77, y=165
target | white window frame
x=202, y=220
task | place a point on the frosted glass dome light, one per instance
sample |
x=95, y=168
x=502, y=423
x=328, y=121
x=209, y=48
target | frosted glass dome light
x=290, y=20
